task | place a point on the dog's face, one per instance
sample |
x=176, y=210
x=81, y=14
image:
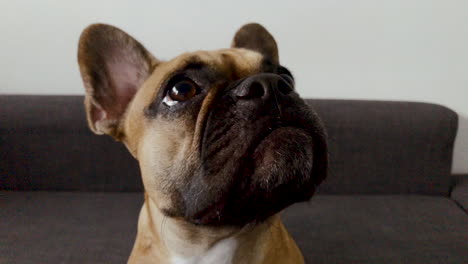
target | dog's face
x=221, y=137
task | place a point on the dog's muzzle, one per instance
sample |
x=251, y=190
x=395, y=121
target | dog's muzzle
x=263, y=149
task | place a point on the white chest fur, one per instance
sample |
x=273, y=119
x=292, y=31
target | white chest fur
x=221, y=253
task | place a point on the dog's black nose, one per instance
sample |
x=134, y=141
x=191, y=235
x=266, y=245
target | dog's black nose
x=263, y=86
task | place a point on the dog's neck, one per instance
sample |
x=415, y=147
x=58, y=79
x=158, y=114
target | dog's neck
x=162, y=239
x=179, y=242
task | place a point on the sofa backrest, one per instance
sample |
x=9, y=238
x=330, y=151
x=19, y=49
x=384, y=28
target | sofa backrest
x=46, y=144
x=374, y=147
x=388, y=147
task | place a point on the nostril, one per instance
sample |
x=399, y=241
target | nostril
x=257, y=89
x=253, y=90
x=285, y=87
x=288, y=78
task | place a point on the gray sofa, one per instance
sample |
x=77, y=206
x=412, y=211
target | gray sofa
x=69, y=196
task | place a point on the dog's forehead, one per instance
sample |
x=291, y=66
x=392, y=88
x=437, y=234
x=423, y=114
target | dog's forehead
x=228, y=59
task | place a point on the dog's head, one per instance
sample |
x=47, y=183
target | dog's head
x=222, y=137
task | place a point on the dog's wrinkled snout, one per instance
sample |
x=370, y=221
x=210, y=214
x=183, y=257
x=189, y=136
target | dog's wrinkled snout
x=262, y=86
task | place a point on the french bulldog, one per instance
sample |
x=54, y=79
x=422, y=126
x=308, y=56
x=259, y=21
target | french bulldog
x=223, y=140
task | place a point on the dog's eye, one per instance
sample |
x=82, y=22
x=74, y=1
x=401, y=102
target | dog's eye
x=180, y=92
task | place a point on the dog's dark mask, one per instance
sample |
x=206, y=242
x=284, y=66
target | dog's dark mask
x=262, y=150
x=249, y=145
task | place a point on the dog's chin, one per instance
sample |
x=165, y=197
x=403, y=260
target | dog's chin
x=275, y=175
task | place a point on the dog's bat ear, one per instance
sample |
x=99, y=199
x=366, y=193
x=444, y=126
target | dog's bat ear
x=255, y=37
x=113, y=66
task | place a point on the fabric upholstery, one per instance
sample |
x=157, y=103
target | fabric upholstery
x=375, y=147
x=56, y=227
x=387, y=147
x=79, y=227
x=47, y=145
x=379, y=229
x=460, y=191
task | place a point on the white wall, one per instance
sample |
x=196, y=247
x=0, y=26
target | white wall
x=368, y=49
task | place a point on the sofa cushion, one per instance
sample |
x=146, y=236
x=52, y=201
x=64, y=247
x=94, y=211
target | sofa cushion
x=460, y=190
x=379, y=229
x=59, y=227
x=55, y=227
